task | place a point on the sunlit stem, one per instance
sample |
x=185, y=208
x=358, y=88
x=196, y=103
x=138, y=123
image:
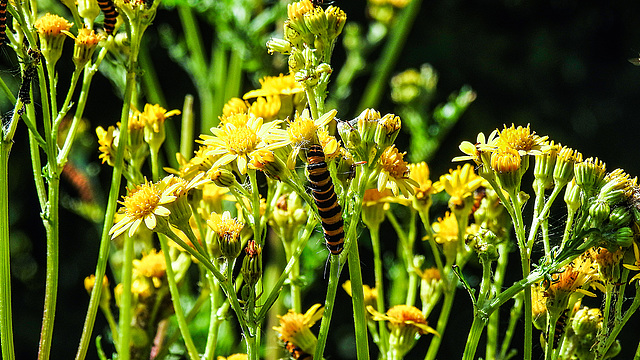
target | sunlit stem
x=175, y=298
x=6, y=319
x=374, y=230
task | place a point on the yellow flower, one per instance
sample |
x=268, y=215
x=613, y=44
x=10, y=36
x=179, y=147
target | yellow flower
x=276, y=85
x=370, y=294
x=420, y=173
x=266, y=107
x=238, y=142
x=155, y=115
x=505, y=160
x=474, y=151
x=228, y=233
x=573, y=278
x=144, y=203
x=523, y=140
x=303, y=132
x=235, y=106
x=446, y=229
x=152, y=266
x=460, y=185
x=234, y=357
x=636, y=264
x=394, y=172
x=51, y=25
x=296, y=328
x=201, y=162
x=404, y=316
x=108, y=140
x=85, y=44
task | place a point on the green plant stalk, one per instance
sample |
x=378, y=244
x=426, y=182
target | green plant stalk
x=389, y=57
x=494, y=320
x=52, y=228
x=334, y=274
x=125, y=312
x=552, y=320
x=175, y=297
x=186, y=130
x=357, y=299
x=619, y=325
x=424, y=217
x=234, y=76
x=6, y=319
x=273, y=295
x=255, y=207
x=514, y=316
x=294, y=275
x=214, y=321
x=374, y=230
x=53, y=91
x=114, y=190
x=541, y=213
x=443, y=319
x=526, y=269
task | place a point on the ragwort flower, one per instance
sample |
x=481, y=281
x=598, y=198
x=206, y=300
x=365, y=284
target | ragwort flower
x=394, y=173
x=276, y=85
x=235, y=142
x=144, y=203
x=303, y=132
x=460, y=185
x=151, y=266
x=523, y=140
x=296, y=328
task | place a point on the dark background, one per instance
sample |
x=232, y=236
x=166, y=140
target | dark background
x=560, y=66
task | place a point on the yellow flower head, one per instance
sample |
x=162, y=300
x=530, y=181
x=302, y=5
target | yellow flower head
x=90, y=282
x=51, y=25
x=155, y=115
x=573, y=278
x=298, y=9
x=404, y=316
x=394, y=172
x=474, y=151
x=420, y=173
x=266, y=107
x=370, y=294
x=276, y=85
x=235, y=106
x=151, y=266
x=303, y=132
x=199, y=163
x=107, y=141
x=538, y=307
x=446, y=229
x=294, y=326
x=523, y=140
x=460, y=185
x=225, y=226
x=505, y=160
x=238, y=142
x=85, y=44
x=144, y=203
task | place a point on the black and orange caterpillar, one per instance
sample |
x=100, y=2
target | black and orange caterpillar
x=110, y=15
x=326, y=200
x=3, y=22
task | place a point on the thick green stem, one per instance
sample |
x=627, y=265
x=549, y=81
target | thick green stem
x=474, y=337
x=6, y=321
x=52, y=226
x=124, y=323
x=175, y=298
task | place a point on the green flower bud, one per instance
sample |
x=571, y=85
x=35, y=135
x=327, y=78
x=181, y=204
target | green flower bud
x=367, y=123
x=589, y=175
x=620, y=216
x=222, y=177
x=572, y=196
x=296, y=61
x=279, y=45
x=349, y=134
x=252, y=263
x=565, y=161
x=316, y=21
x=624, y=237
x=599, y=211
x=544, y=167
x=586, y=321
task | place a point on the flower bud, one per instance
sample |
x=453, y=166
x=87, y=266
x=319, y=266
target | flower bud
x=572, y=196
x=624, y=237
x=589, y=175
x=599, y=211
x=85, y=44
x=252, y=263
x=620, y=216
x=278, y=45
x=51, y=30
x=222, y=177
x=88, y=10
x=387, y=130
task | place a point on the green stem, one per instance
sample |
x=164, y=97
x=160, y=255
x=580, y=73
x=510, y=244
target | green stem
x=334, y=273
x=552, y=320
x=105, y=243
x=52, y=227
x=175, y=298
x=125, y=301
x=498, y=279
x=443, y=319
x=374, y=230
x=390, y=54
x=514, y=317
x=357, y=299
x=6, y=321
x=474, y=337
